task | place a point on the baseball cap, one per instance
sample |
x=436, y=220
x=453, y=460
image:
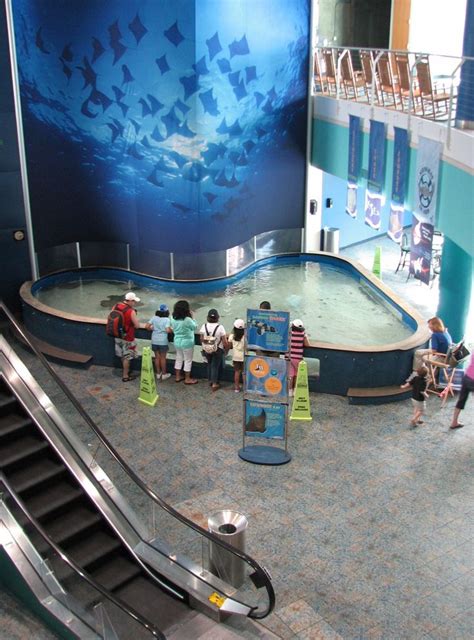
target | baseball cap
x=131, y=297
x=213, y=314
x=239, y=324
x=163, y=307
x=298, y=324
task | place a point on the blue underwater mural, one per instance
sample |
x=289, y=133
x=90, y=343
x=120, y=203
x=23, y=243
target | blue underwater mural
x=171, y=125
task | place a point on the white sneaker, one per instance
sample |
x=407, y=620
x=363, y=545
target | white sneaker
x=158, y=377
x=291, y=393
x=165, y=376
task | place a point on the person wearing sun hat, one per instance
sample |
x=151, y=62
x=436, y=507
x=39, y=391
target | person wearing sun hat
x=126, y=347
x=237, y=344
x=298, y=341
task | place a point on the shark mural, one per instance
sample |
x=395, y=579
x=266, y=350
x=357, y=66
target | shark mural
x=175, y=126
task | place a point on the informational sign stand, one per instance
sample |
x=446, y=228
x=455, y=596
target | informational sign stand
x=148, y=393
x=265, y=414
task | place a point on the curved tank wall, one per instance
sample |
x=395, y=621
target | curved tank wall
x=341, y=366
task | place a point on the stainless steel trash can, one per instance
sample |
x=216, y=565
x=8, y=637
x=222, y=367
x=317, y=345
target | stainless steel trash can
x=331, y=239
x=231, y=527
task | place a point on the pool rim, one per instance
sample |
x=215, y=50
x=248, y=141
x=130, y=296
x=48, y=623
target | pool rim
x=420, y=335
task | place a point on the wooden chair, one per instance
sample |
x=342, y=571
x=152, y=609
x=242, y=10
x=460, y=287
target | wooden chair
x=442, y=372
x=330, y=70
x=434, y=101
x=319, y=79
x=407, y=86
x=404, y=252
x=352, y=82
x=388, y=88
x=368, y=73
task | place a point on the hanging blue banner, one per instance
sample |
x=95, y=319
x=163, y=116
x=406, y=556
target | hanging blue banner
x=427, y=172
x=355, y=148
x=399, y=182
x=376, y=174
x=354, y=164
x=376, y=157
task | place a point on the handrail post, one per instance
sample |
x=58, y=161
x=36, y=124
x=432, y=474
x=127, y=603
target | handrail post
x=451, y=99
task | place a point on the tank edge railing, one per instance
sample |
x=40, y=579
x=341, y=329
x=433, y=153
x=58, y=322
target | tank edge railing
x=129, y=611
x=262, y=576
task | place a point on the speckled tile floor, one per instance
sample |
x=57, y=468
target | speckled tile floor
x=367, y=532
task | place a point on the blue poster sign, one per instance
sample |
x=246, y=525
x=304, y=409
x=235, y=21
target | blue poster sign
x=399, y=181
x=355, y=149
x=266, y=377
x=268, y=330
x=376, y=157
x=265, y=419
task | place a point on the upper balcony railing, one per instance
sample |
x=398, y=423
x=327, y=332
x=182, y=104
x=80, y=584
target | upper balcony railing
x=418, y=84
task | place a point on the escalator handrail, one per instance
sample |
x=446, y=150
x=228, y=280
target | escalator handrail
x=264, y=579
x=156, y=633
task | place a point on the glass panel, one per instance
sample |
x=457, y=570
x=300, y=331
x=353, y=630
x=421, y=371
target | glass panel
x=103, y=254
x=200, y=266
x=281, y=241
x=240, y=257
x=154, y=263
x=63, y=256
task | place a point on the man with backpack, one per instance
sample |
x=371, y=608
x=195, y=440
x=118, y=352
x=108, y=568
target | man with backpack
x=214, y=345
x=121, y=324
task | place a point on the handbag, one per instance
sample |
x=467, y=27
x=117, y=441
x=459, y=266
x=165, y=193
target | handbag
x=458, y=353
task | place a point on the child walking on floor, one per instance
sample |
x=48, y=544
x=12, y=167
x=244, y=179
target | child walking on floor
x=298, y=341
x=418, y=384
x=236, y=343
x=160, y=326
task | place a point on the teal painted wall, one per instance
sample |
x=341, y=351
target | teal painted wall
x=455, y=216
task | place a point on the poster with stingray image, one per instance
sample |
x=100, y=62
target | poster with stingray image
x=172, y=126
x=265, y=420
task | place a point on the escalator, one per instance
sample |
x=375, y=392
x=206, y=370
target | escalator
x=56, y=500
x=102, y=554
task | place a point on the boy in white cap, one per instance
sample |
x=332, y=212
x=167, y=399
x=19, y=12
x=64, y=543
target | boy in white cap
x=298, y=341
x=126, y=347
x=236, y=343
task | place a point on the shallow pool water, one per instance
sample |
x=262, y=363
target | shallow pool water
x=334, y=306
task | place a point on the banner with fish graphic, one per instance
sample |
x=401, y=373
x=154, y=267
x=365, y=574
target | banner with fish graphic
x=354, y=164
x=376, y=175
x=167, y=126
x=399, y=184
x=427, y=169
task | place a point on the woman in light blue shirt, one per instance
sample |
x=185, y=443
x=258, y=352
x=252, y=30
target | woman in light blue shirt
x=160, y=325
x=183, y=327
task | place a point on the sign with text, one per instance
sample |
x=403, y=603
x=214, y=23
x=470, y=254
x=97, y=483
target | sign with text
x=265, y=419
x=268, y=330
x=266, y=377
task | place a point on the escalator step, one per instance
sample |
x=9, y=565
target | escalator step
x=116, y=572
x=36, y=473
x=13, y=423
x=69, y=524
x=21, y=449
x=92, y=548
x=52, y=498
x=7, y=402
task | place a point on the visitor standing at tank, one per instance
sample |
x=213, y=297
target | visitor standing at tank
x=160, y=326
x=126, y=347
x=298, y=341
x=439, y=343
x=215, y=335
x=466, y=388
x=183, y=326
x=236, y=342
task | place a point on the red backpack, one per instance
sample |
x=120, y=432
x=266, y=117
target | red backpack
x=115, y=327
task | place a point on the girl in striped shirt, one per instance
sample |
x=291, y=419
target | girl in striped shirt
x=298, y=341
